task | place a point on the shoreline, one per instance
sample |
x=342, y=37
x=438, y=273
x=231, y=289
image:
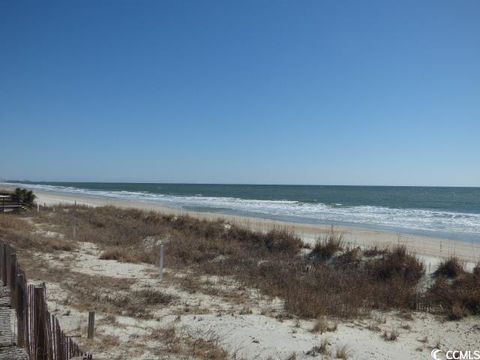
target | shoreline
x=433, y=248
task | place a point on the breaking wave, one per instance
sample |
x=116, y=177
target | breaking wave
x=420, y=220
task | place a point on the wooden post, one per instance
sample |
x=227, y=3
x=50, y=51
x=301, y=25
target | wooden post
x=2, y=261
x=161, y=261
x=20, y=306
x=75, y=220
x=39, y=324
x=91, y=324
x=13, y=277
x=4, y=264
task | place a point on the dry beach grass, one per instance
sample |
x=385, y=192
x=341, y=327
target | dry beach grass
x=330, y=283
x=329, y=280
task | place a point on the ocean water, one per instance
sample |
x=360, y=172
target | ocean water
x=435, y=211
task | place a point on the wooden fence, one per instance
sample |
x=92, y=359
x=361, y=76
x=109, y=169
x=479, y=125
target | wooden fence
x=8, y=203
x=38, y=331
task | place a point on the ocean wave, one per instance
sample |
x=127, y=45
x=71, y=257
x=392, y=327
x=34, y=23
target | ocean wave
x=409, y=219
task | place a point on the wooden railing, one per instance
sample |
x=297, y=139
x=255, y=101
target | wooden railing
x=38, y=331
x=7, y=203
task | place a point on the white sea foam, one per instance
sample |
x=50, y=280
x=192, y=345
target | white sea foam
x=408, y=219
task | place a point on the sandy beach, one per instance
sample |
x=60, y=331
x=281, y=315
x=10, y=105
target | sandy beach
x=219, y=312
x=236, y=180
x=430, y=248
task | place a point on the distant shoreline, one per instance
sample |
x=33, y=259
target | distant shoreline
x=433, y=248
x=427, y=212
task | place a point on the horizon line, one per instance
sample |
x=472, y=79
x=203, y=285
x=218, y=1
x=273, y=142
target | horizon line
x=232, y=184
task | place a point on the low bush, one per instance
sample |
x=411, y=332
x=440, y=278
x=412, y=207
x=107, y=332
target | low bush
x=24, y=196
x=119, y=254
x=458, y=297
x=351, y=257
x=342, y=352
x=390, y=335
x=327, y=246
x=374, y=251
x=152, y=297
x=398, y=264
x=476, y=270
x=57, y=245
x=450, y=268
x=323, y=325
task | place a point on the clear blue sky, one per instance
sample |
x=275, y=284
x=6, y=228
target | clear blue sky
x=306, y=92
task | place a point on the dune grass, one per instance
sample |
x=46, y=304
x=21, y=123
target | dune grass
x=327, y=245
x=450, y=268
x=330, y=281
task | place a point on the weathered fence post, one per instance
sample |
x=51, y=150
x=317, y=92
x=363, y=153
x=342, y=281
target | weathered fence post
x=91, y=324
x=13, y=277
x=20, y=306
x=2, y=261
x=161, y=261
x=4, y=264
x=40, y=331
x=7, y=269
